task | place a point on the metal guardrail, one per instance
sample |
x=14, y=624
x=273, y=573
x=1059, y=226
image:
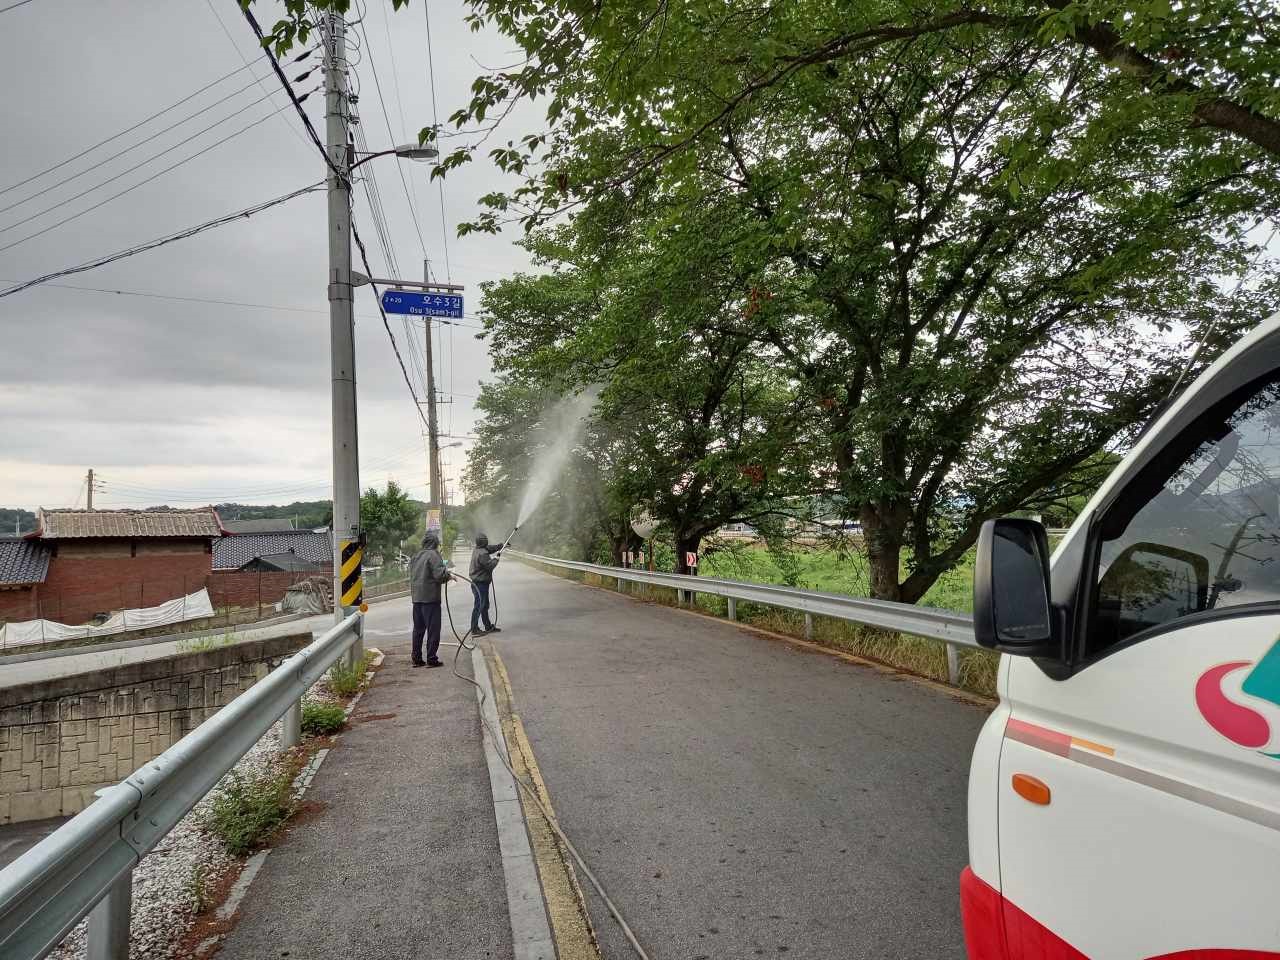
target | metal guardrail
x=955, y=629
x=87, y=864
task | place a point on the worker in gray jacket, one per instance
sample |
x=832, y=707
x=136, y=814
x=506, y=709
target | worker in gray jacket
x=484, y=559
x=427, y=571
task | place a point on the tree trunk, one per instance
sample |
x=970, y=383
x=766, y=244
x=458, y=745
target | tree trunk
x=685, y=544
x=883, y=528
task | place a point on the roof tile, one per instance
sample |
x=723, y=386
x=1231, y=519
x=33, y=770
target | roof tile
x=22, y=561
x=74, y=524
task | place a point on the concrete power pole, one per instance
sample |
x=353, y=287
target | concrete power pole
x=89, y=487
x=347, y=546
x=433, y=429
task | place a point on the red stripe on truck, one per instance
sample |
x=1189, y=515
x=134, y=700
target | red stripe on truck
x=996, y=929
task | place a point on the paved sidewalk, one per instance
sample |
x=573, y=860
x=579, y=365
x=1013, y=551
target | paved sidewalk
x=401, y=860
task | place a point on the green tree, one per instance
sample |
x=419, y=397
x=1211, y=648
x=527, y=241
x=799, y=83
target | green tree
x=389, y=519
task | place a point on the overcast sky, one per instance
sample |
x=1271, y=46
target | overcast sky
x=187, y=401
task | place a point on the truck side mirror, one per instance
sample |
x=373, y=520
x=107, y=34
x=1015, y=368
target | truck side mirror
x=1011, y=607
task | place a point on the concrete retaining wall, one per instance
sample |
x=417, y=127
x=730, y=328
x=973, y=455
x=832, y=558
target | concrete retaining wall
x=65, y=738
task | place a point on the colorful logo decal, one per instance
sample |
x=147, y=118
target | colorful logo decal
x=1239, y=723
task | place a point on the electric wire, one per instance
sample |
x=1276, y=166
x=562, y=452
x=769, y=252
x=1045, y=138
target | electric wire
x=124, y=173
x=14, y=6
x=386, y=119
x=288, y=88
x=117, y=136
x=161, y=241
x=142, y=183
x=134, y=146
x=240, y=53
x=435, y=126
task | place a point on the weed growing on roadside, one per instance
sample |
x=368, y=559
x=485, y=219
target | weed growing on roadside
x=205, y=644
x=247, y=811
x=197, y=889
x=346, y=680
x=319, y=719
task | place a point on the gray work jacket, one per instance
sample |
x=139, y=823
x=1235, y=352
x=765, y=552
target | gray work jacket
x=482, y=564
x=426, y=573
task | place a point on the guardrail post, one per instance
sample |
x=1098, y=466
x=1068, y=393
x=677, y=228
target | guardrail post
x=291, y=735
x=808, y=626
x=109, y=922
x=733, y=608
x=621, y=588
x=953, y=664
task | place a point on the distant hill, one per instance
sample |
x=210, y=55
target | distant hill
x=25, y=520
x=306, y=514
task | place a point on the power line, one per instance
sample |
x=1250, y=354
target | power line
x=386, y=119
x=227, y=33
x=160, y=241
x=364, y=258
x=222, y=303
x=288, y=88
x=122, y=173
x=435, y=122
x=117, y=136
x=116, y=196
x=14, y=6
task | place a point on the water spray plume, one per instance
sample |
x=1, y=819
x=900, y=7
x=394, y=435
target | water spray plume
x=562, y=426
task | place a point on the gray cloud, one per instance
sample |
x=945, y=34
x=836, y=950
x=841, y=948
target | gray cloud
x=193, y=397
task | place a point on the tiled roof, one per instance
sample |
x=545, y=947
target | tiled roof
x=289, y=562
x=233, y=552
x=22, y=561
x=67, y=524
x=267, y=525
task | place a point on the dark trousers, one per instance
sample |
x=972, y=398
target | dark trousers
x=426, y=619
x=480, y=611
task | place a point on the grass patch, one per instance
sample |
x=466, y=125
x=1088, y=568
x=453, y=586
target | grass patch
x=345, y=680
x=321, y=719
x=205, y=644
x=248, y=811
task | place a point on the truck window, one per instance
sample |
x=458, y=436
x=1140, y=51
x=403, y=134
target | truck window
x=1199, y=528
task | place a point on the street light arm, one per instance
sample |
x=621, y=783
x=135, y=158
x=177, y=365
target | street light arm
x=408, y=151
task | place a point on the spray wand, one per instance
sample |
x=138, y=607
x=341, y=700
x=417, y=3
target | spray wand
x=511, y=536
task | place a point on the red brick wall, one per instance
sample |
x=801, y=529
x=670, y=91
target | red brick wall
x=233, y=589
x=19, y=604
x=100, y=576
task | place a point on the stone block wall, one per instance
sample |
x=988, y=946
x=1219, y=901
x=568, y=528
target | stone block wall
x=63, y=739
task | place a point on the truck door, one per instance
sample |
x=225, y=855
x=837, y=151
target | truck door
x=1139, y=803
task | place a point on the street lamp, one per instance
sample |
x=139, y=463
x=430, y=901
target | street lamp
x=407, y=151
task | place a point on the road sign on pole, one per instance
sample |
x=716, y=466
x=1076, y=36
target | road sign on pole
x=421, y=304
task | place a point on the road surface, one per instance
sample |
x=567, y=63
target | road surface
x=738, y=796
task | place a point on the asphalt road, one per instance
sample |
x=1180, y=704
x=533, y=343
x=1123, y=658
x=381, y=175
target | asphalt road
x=737, y=796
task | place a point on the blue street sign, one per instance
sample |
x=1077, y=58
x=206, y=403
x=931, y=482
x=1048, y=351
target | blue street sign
x=421, y=304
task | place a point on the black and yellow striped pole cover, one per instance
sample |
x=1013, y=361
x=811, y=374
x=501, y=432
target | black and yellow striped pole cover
x=352, y=574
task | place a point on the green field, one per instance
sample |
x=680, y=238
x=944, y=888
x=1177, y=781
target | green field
x=824, y=569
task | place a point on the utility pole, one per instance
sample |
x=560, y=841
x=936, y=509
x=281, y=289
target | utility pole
x=347, y=546
x=433, y=429
x=89, y=487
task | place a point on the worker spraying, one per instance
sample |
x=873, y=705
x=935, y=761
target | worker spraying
x=484, y=559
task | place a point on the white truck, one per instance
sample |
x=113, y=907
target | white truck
x=1124, y=798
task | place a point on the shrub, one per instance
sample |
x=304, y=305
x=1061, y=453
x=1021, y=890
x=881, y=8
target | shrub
x=320, y=719
x=246, y=812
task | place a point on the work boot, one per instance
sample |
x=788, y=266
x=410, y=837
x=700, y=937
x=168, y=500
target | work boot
x=479, y=633
x=419, y=663
x=435, y=663
x=494, y=630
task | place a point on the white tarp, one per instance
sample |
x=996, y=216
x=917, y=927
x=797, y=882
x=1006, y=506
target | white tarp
x=190, y=607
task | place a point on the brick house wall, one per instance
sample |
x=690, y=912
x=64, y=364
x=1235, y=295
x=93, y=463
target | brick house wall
x=230, y=588
x=92, y=576
x=19, y=603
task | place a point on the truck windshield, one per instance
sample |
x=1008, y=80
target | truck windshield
x=1207, y=536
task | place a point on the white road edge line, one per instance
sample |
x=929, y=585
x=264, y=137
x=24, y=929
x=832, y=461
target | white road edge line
x=530, y=925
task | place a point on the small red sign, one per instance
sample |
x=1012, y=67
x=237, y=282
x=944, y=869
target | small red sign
x=691, y=560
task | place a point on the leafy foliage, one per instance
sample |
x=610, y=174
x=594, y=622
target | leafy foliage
x=247, y=811
x=321, y=719
x=389, y=519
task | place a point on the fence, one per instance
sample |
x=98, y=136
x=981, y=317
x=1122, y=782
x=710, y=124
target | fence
x=87, y=864
x=953, y=628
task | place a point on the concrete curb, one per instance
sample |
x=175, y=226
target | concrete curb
x=530, y=924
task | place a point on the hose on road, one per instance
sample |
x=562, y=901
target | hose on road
x=530, y=792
